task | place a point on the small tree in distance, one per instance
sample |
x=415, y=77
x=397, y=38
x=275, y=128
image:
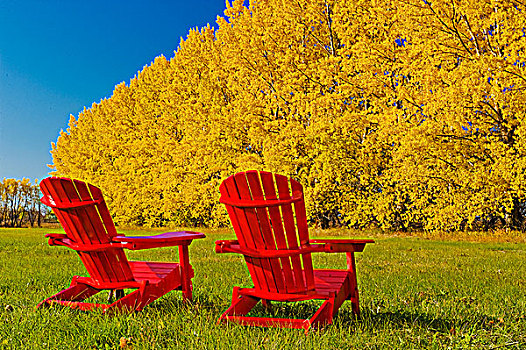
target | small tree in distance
x=20, y=203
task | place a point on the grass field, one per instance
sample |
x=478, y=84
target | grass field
x=415, y=293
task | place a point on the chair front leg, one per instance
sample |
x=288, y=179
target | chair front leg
x=75, y=292
x=115, y=293
x=241, y=305
x=267, y=304
x=353, y=295
x=186, y=278
x=323, y=316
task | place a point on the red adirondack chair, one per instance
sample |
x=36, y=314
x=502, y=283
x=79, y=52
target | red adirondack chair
x=270, y=224
x=90, y=231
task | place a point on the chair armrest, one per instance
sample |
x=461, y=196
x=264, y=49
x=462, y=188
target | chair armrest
x=56, y=235
x=167, y=239
x=60, y=239
x=227, y=246
x=234, y=247
x=342, y=245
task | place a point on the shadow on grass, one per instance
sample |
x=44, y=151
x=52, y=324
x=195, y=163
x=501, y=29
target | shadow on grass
x=401, y=320
x=369, y=319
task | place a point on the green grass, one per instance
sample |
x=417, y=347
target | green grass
x=415, y=293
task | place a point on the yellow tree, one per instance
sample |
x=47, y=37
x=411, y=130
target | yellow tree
x=396, y=113
x=455, y=80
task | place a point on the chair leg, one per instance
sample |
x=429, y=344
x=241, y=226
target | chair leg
x=129, y=302
x=115, y=293
x=267, y=304
x=353, y=292
x=134, y=301
x=323, y=316
x=186, y=278
x=241, y=305
x=76, y=292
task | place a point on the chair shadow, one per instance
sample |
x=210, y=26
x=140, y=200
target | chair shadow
x=345, y=317
x=403, y=319
x=174, y=300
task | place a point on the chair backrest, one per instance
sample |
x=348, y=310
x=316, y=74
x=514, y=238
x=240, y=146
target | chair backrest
x=83, y=214
x=267, y=212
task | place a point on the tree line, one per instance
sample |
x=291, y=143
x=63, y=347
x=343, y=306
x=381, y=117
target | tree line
x=20, y=203
x=398, y=113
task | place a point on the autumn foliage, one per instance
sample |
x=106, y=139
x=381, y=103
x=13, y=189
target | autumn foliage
x=392, y=113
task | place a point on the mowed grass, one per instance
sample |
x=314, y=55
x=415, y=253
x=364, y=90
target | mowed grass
x=415, y=293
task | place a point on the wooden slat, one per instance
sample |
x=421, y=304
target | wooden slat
x=259, y=203
x=111, y=264
x=299, y=210
x=90, y=225
x=87, y=227
x=156, y=267
x=273, y=274
x=250, y=227
x=303, y=231
x=84, y=225
x=329, y=281
x=54, y=187
x=237, y=218
x=104, y=212
x=153, y=272
x=61, y=205
x=285, y=274
x=268, y=321
x=113, y=261
x=290, y=234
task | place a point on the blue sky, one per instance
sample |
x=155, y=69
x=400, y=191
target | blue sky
x=58, y=56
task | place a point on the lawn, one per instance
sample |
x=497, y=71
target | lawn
x=415, y=293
